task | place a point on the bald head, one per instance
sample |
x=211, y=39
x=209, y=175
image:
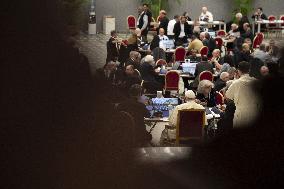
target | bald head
x=204, y=9
x=161, y=31
x=202, y=36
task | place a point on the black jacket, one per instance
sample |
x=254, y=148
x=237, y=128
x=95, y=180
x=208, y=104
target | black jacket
x=200, y=67
x=164, y=24
x=112, y=50
x=219, y=84
x=187, y=30
x=147, y=72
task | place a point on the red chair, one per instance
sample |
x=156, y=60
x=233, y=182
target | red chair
x=131, y=22
x=190, y=125
x=204, y=51
x=260, y=37
x=282, y=18
x=219, y=42
x=271, y=18
x=161, y=62
x=221, y=33
x=172, y=81
x=206, y=75
x=219, y=98
x=179, y=54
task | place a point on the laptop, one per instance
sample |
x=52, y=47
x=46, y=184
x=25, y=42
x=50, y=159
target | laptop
x=189, y=68
x=161, y=105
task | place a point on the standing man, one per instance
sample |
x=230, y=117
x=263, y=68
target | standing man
x=143, y=21
x=171, y=24
x=182, y=31
x=258, y=15
x=112, y=47
x=164, y=21
x=244, y=97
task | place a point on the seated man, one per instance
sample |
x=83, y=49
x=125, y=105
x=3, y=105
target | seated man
x=206, y=94
x=189, y=104
x=211, y=44
x=261, y=54
x=248, y=33
x=193, y=57
x=163, y=39
x=138, y=111
x=182, y=31
x=134, y=59
x=130, y=78
x=221, y=82
x=195, y=44
x=204, y=65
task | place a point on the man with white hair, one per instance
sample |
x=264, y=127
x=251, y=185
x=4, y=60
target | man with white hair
x=163, y=39
x=189, y=104
x=221, y=82
x=206, y=15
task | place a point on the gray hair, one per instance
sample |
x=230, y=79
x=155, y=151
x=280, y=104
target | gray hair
x=203, y=84
x=239, y=15
x=223, y=75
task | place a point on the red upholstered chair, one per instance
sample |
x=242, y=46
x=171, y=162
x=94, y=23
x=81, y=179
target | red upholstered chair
x=206, y=75
x=219, y=98
x=221, y=33
x=260, y=37
x=131, y=22
x=204, y=51
x=282, y=18
x=172, y=81
x=190, y=125
x=179, y=54
x=271, y=18
x=219, y=42
x=161, y=62
x=255, y=42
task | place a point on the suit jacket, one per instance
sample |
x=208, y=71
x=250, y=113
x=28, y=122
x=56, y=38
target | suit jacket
x=112, y=50
x=164, y=24
x=147, y=72
x=200, y=67
x=187, y=30
x=136, y=65
x=219, y=84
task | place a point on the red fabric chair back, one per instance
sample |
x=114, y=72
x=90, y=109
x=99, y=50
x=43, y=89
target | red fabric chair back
x=172, y=80
x=180, y=53
x=204, y=51
x=282, y=18
x=256, y=42
x=260, y=37
x=271, y=18
x=161, y=62
x=206, y=75
x=131, y=22
x=219, y=98
x=190, y=125
x=219, y=42
x=221, y=33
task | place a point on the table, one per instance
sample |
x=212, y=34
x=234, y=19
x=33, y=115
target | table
x=202, y=23
x=259, y=22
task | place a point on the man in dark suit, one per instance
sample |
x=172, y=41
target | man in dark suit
x=204, y=65
x=258, y=15
x=248, y=33
x=134, y=59
x=112, y=47
x=164, y=21
x=143, y=21
x=221, y=82
x=182, y=31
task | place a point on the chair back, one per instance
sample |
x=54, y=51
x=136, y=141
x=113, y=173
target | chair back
x=172, y=80
x=221, y=33
x=282, y=18
x=131, y=22
x=158, y=53
x=219, y=98
x=204, y=51
x=206, y=75
x=161, y=62
x=179, y=54
x=190, y=124
x=219, y=42
x=271, y=18
x=260, y=37
x=256, y=42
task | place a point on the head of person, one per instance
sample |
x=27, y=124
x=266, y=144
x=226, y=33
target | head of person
x=243, y=68
x=176, y=17
x=194, y=52
x=225, y=76
x=161, y=32
x=234, y=27
x=189, y=96
x=246, y=26
x=111, y=66
x=239, y=16
x=134, y=55
x=182, y=19
x=248, y=41
x=262, y=47
x=140, y=9
x=145, y=7
x=207, y=35
x=232, y=72
x=264, y=71
x=135, y=91
x=259, y=10
x=193, y=37
x=113, y=33
x=185, y=14
x=205, y=87
x=162, y=14
x=149, y=59
x=129, y=70
x=245, y=47
x=202, y=36
x=204, y=10
x=216, y=53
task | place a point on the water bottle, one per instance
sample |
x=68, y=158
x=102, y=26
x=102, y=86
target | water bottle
x=170, y=108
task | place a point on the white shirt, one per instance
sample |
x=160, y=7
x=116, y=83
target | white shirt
x=171, y=24
x=246, y=100
x=145, y=21
x=182, y=33
x=163, y=41
x=207, y=14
